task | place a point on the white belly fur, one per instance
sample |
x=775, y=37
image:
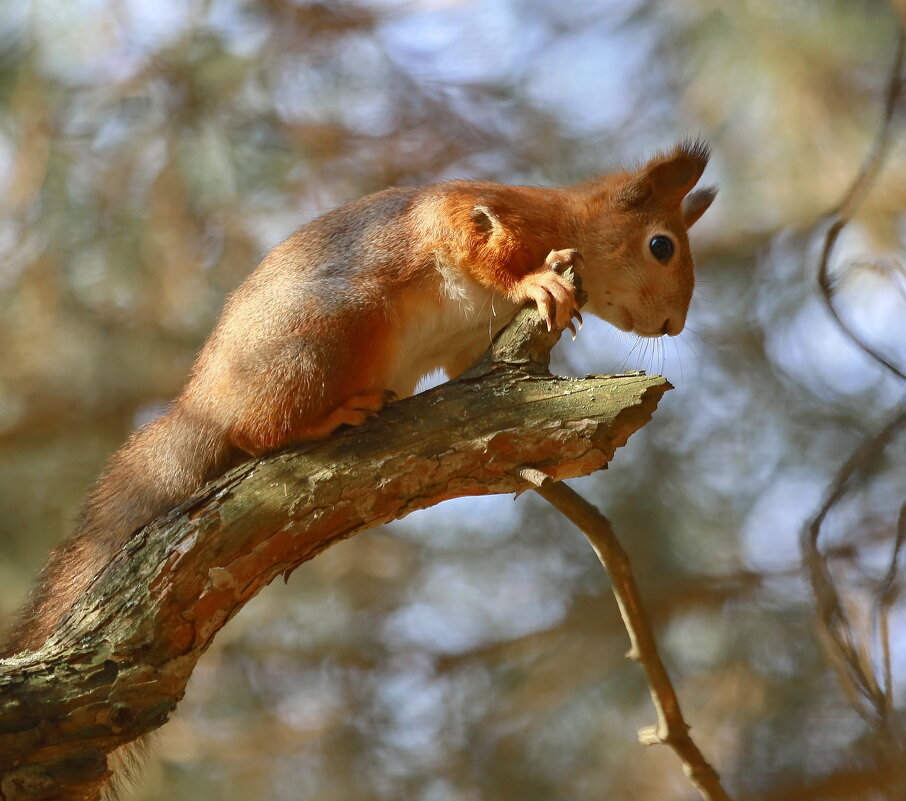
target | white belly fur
x=457, y=327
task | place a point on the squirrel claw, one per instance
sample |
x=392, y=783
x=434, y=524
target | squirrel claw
x=554, y=296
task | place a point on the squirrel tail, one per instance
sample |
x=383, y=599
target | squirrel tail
x=160, y=465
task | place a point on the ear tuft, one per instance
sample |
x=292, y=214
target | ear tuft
x=667, y=178
x=696, y=150
x=673, y=174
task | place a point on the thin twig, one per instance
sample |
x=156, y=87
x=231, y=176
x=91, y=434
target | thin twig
x=849, y=655
x=834, y=624
x=854, y=197
x=671, y=728
x=887, y=595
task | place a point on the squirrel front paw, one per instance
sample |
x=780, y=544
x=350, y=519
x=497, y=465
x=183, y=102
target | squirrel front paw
x=554, y=296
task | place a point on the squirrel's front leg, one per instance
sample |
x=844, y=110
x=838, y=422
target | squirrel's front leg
x=554, y=296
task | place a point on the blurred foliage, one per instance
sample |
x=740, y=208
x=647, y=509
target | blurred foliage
x=151, y=150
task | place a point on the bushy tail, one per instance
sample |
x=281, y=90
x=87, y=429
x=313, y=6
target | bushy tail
x=160, y=465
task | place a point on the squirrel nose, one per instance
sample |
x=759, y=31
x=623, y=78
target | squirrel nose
x=665, y=328
x=673, y=326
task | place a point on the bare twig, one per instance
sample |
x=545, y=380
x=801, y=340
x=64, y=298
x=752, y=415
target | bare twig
x=853, y=198
x=835, y=628
x=848, y=654
x=887, y=595
x=671, y=728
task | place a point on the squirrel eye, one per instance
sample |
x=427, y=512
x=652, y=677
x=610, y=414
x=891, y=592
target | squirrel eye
x=661, y=248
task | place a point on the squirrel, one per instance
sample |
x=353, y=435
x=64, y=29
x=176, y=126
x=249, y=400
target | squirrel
x=359, y=304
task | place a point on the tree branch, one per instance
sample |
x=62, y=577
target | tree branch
x=671, y=728
x=836, y=631
x=846, y=652
x=118, y=664
x=853, y=198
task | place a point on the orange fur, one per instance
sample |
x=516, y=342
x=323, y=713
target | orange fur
x=359, y=305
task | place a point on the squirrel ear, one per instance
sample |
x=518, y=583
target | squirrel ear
x=667, y=178
x=696, y=203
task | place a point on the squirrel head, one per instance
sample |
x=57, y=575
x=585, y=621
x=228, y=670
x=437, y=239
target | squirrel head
x=638, y=241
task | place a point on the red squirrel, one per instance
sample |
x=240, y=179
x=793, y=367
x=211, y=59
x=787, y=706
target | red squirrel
x=359, y=304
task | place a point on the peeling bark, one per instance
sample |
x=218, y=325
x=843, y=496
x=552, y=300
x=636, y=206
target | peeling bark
x=117, y=666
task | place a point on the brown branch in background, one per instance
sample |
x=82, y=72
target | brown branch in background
x=887, y=595
x=848, y=654
x=853, y=198
x=671, y=728
x=835, y=628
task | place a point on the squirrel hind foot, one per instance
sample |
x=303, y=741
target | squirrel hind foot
x=354, y=411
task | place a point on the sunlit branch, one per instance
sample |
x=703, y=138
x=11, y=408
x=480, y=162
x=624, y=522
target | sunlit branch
x=118, y=664
x=671, y=728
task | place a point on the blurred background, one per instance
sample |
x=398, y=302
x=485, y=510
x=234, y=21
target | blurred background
x=152, y=150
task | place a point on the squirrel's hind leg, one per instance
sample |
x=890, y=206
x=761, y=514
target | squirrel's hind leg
x=314, y=384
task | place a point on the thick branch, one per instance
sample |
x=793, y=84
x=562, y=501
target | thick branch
x=118, y=665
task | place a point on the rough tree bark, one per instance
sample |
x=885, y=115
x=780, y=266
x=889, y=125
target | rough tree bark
x=117, y=666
